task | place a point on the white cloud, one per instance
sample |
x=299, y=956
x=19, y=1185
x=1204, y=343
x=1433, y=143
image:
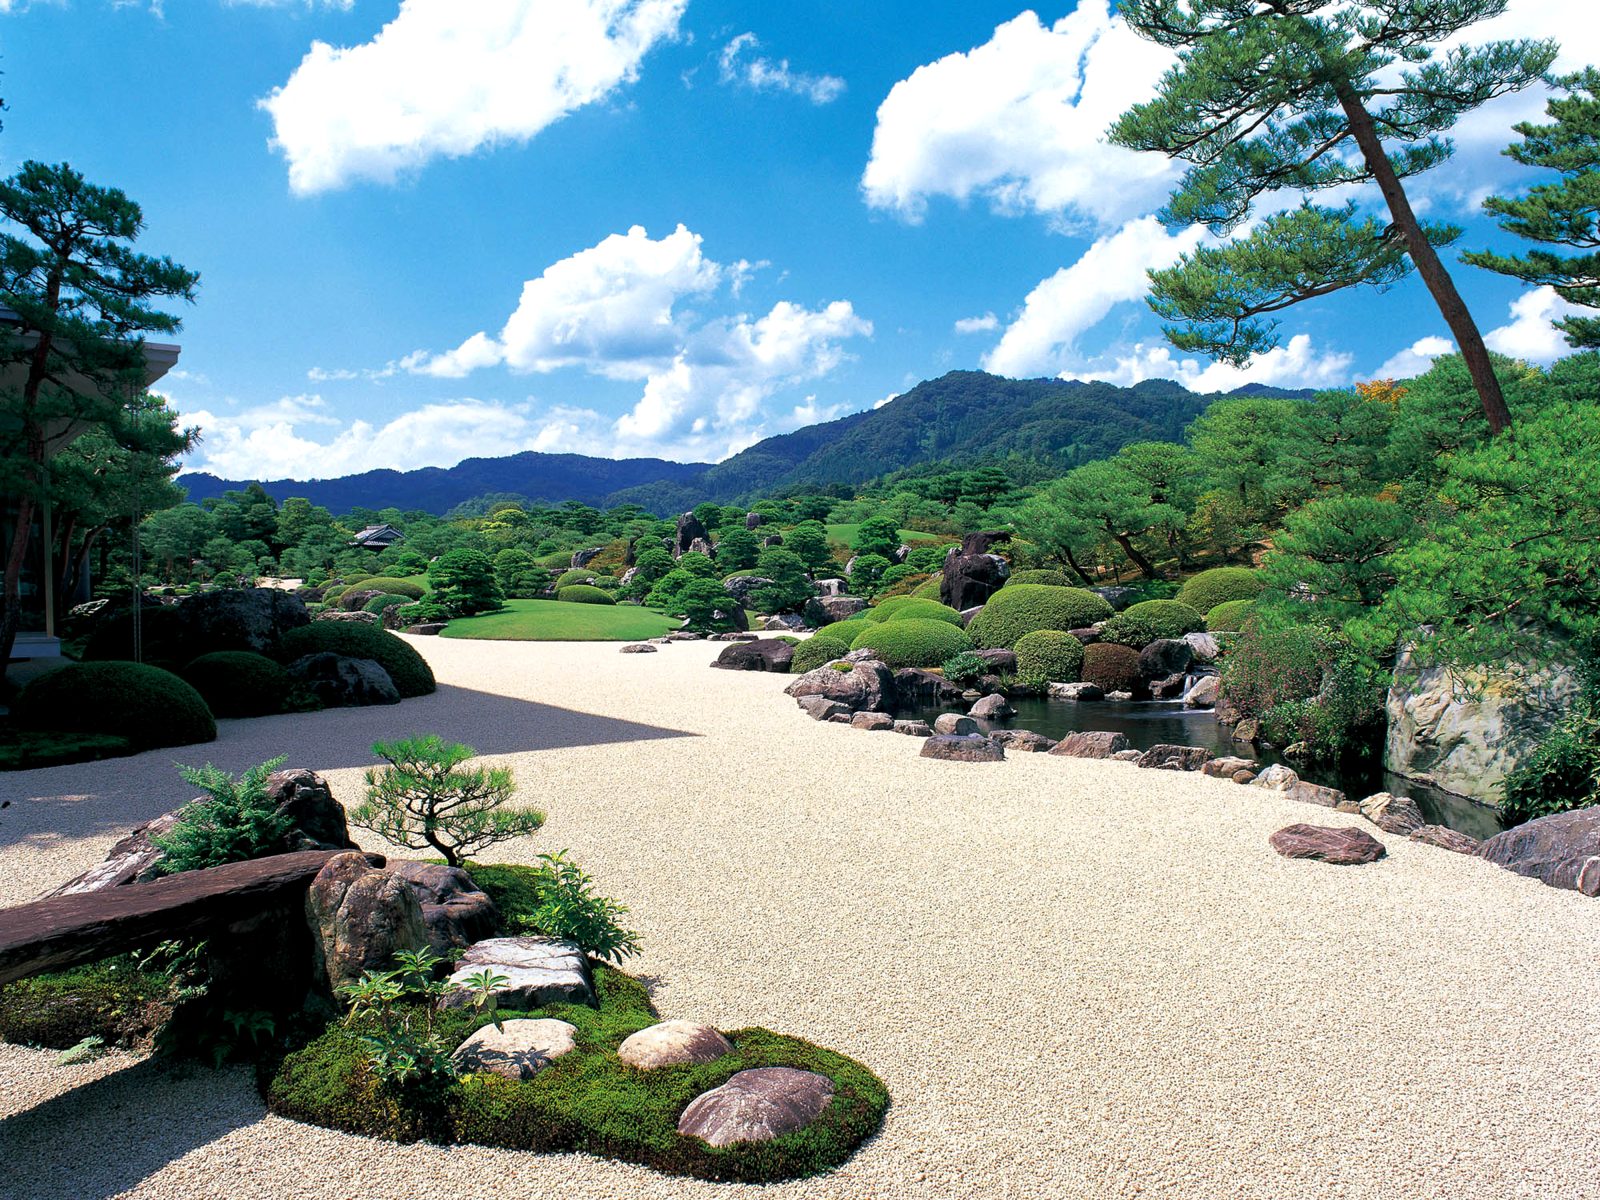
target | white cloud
x=987, y=323
x=761, y=74
x=1530, y=334
x=1415, y=359
x=446, y=79
x=1021, y=121
x=892, y=396
x=1296, y=364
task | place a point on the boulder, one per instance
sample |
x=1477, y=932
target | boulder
x=968, y=613
x=843, y=718
x=1023, y=740
x=1562, y=850
x=1203, y=646
x=1076, y=691
x=426, y=629
x=825, y=610
x=999, y=662
x=1088, y=635
x=643, y=648
x=538, y=970
x=1341, y=847
x=240, y=618
x=992, y=708
x=1164, y=658
x=830, y=587
x=735, y=636
x=517, y=1049
x=972, y=573
x=354, y=618
x=689, y=532
x=1091, y=744
x=341, y=682
x=958, y=748
x=1277, y=777
x=1132, y=756
x=911, y=683
x=1393, y=814
x=1170, y=688
x=356, y=599
x=702, y=545
x=1204, y=692
x=361, y=917
x=865, y=686
x=913, y=728
x=774, y=539
x=757, y=1106
x=754, y=520
x=1227, y=767
x=1175, y=758
x=785, y=623
x=872, y=721
x=764, y=654
x=1243, y=777
x=1315, y=793
x=863, y=656
x=955, y=725
x=1446, y=838
x=673, y=1044
x=1118, y=597
x=820, y=708
x=454, y=911
x=582, y=558
x=1247, y=732
x=741, y=586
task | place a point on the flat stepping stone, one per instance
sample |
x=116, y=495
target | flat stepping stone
x=963, y=748
x=539, y=971
x=673, y=1043
x=757, y=1106
x=641, y=648
x=517, y=1050
x=1088, y=743
x=1341, y=847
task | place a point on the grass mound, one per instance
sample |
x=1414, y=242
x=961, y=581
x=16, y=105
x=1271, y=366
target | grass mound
x=913, y=642
x=553, y=621
x=115, y=1001
x=817, y=651
x=1229, y=617
x=411, y=674
x=582, y=593
x=1205, y=591
x=1023, y=608
x=902, y=608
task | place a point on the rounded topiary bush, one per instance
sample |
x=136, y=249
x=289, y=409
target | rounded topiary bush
x=913, y=642
x=1049, y=656
x=148, y=706
x=1218, y=586
x=395, y=587
x=1151, y=621
x=1044, y=577
x=582, y=593
x=847, y=629
x=378, y=603
x=411, y=674
x=1230, y=616
x=903, y=608
x=930, y=589
x=1110, y=667
x=817, y=651
x=237, y=683
x=583, y=575
x=1014, y=612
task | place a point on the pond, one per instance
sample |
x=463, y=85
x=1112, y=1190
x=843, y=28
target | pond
x=1152, y=723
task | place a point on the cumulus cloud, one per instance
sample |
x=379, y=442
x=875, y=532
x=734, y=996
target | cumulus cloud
x=1021, y=121
x=1531, y=334
x=745, y=68
x=1414, y=359
x=444, y=79
x=987, y=323
x=1295, y=364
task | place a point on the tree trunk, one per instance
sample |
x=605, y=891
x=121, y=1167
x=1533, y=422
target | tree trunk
x=1429, y=265
x=1139, y=560
x=11, y=612
x=1088, y=580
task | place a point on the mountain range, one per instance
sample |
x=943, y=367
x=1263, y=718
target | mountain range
x=962, y=419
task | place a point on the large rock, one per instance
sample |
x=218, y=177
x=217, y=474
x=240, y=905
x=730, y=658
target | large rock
x=673, y=1044
x=689, y=532
x=1118, y=597
x=1228, y=766
x=1175, y=758
x=1446, y=838
x=1091, y=744
x=956, y=748
x=517, y=1049
x=1393, y=814
x=454, y=911
x=820, y=708
x=582, y=558
x=757, y=1106
x=764, y=654
x=360, y=918
x=1562, y=850
x=1023, y=740
x=785, y=623
x=825, y=610
x=992, y=708
x=972, y=573
x=1076, y=691
x=342, y=682
x=241, y=619
x=955, y=725
x=919, y=729
x=754, y=520
x=1164, y=658
x=872, y=722
x=1204, y=647
x=740, y=587
x=1465, y=732
x=1342, y=847
x=912, y=683
x=538, y=971
x=1316, y=793
x=866, y=686
x=999, y=662
x=1277, y=778
x=350, y=618
x=1204, y=692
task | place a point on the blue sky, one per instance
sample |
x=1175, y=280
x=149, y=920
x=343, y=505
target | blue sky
x=433, y=229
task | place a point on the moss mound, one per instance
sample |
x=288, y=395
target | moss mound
x=1151, y=621
x=28, y=749
x=1205, y=591
x=114, y=1000
x=817, y=651
x=391, y=586
x=237, y=683
x=1230, y=616
x=929, y=590
x=385, y=601
x=1049, y=656
x=582, y=593
x=902, y=608
x=1045, y=578
x=148, y=706
x=1110, y=667
x=913, y=642
x=1024, y=608
x=581, y=575
x=411, y=674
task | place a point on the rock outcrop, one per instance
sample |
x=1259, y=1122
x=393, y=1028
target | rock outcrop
x=757, y=1106
x=361, y=916
x=764, y=654
x=865, y=687
x=972, y=573
x=1562, y=850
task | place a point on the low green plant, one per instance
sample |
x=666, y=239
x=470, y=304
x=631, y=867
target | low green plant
x=818, y=650
x=424, y=612
x=902, y=608
x=1151, y=621
x=398, y=1012
x=148, y=706
x=1229, y=616
x=582, y=593
x=913, y=642
x=235, y=821
x=380, y=602
x=84, y=1051
x=238, y=683
x=1043, y=577
x=389, y=585
x=578, y=575
x=964, y=668
x=1205, y=591
x=1049, y=656
x=1020, y=609
x=1563, y=771
x=568, y=909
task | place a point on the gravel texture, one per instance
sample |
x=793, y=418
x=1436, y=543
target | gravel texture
x=1078, y=978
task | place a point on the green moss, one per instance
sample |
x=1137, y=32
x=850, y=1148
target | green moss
x=385, y=600
x=580, y=593
x=929, y=590
x=237, y=683
x=1047, y=578
x=913, y=642
x=411, y=674
x=1049, y=656
x=1230, y=616
x=817, y=651
x=148, y=706
x=1205, y=591
x=1024, y=608
x=113, y=1000
x=1152, y=621
x=902, y=608
x=391, y=586
x=28, y=750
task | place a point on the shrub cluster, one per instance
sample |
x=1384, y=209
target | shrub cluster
x=909, y=607
x=386, y=600
x=913, y=642
x=237, y=683
x=1110, y=667
x=409, y=670
x=1230, y=616
x=1024, y=608
x=580, y=575
x=1563, y=772
x=1205, y=591
x=148, y=706
x=1150, y=621
x=1049, y=656
x=391, y=586
x=580, y=593
x=817, y=651
x=1044, y=577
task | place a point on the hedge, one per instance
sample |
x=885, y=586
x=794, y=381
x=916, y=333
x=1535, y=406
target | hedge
x=1014, y=612
x=1045, y=577
x=913, y=642
x=1229, y=617
x=1205, y=591
x=902, y=608
x=237, y=683
x=1110, y=667
x=1151, y=621
x=1049, y=656
x=581, y=593
x=394, y=587
x=148, y=706
x=411, y=674
x=584, y=575
x=817, y=651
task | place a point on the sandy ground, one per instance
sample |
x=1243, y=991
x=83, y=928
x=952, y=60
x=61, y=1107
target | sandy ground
x=1078, y=979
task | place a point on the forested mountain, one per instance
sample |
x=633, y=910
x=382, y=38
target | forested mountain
x=962, y=419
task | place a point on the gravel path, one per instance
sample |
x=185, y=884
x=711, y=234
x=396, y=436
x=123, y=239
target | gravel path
x=1078, y=979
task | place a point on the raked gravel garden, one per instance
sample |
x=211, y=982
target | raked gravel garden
x=1075, y=977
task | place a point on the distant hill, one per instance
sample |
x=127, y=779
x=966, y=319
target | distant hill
x=962, y=419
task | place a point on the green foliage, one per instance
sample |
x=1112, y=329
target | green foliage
x=1230, y=616
x=1049, y=656
x=237, y=683
x=1111, y=668
x=28, y=750
x=877, y=536
x=818, y=650
x=464, y=581
x=1269, y=666
x=809, y=540
x=927, y=559
x=576, y=577
x=1331, y=563
x=1042, y=577
x=902, y=607
x=410, y=672
x=699, y=566
x=1014, y=612
x=1205, y=591
x=580, y=593
x=404, y=1046
x=146, y=705
x=1563, y=772
x=552, y=621
x=913, y=642
x=706, y=606
x=790, y=587
x=866, y=574
x=424, y=612
x=964, y=668
x=1342, y=717
x=394, y=587
x=235, y=821
x=427, y=796
x=379, y=603
x=519, y=575
x=567, y=908
x=117, y=1000
x=737, y=550
x=930, y=590
x=1150, y=621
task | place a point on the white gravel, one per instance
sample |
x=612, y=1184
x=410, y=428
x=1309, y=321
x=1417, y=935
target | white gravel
x=1078, y=979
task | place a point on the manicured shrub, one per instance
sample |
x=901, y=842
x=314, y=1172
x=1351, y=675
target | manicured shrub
x=378, y=603
x=411, y=674
x=1044, y=577
x=817, y=651
x=237, y=683
x=1014, y=612
x=394, y=587
x=582, y=575
x=1205, y=591
x=464, y=581
x=1265, y=669
x=1049, y=656
x=913, y=642
x=423, y=612
x=848, y=628
x=903, y=607
x=581, y=593
x=1230, y=616
x=148, y=706
x=929, y=589
x=1150, y=621
x=1110, y=667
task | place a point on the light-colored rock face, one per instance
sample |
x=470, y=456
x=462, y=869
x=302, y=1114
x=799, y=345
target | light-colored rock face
x=1466, y=732
x=757, y=1106
x=1204, y=646
x=1277, y=777
x=1204, y=693
x=954, y=725
x=1091, y=744
x=517, y=1049
x=1076, y=691
x=992, y=708
x=1393, y=814
x=539, y=971
x=360, y=918
x=673, y=1043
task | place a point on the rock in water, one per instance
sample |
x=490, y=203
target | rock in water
x=1342, y=847
x=540, y=971
x=1076, y=691
x=1091, y=744
x=360, y=918
x=518, y=1049
x=757, y=1106
x=992, y=708
x=1562, y=850
x=1204, y=693
x=673, y=1043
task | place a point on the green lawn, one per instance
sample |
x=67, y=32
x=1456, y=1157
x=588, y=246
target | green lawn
x=845, y=535
x=553, y=621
